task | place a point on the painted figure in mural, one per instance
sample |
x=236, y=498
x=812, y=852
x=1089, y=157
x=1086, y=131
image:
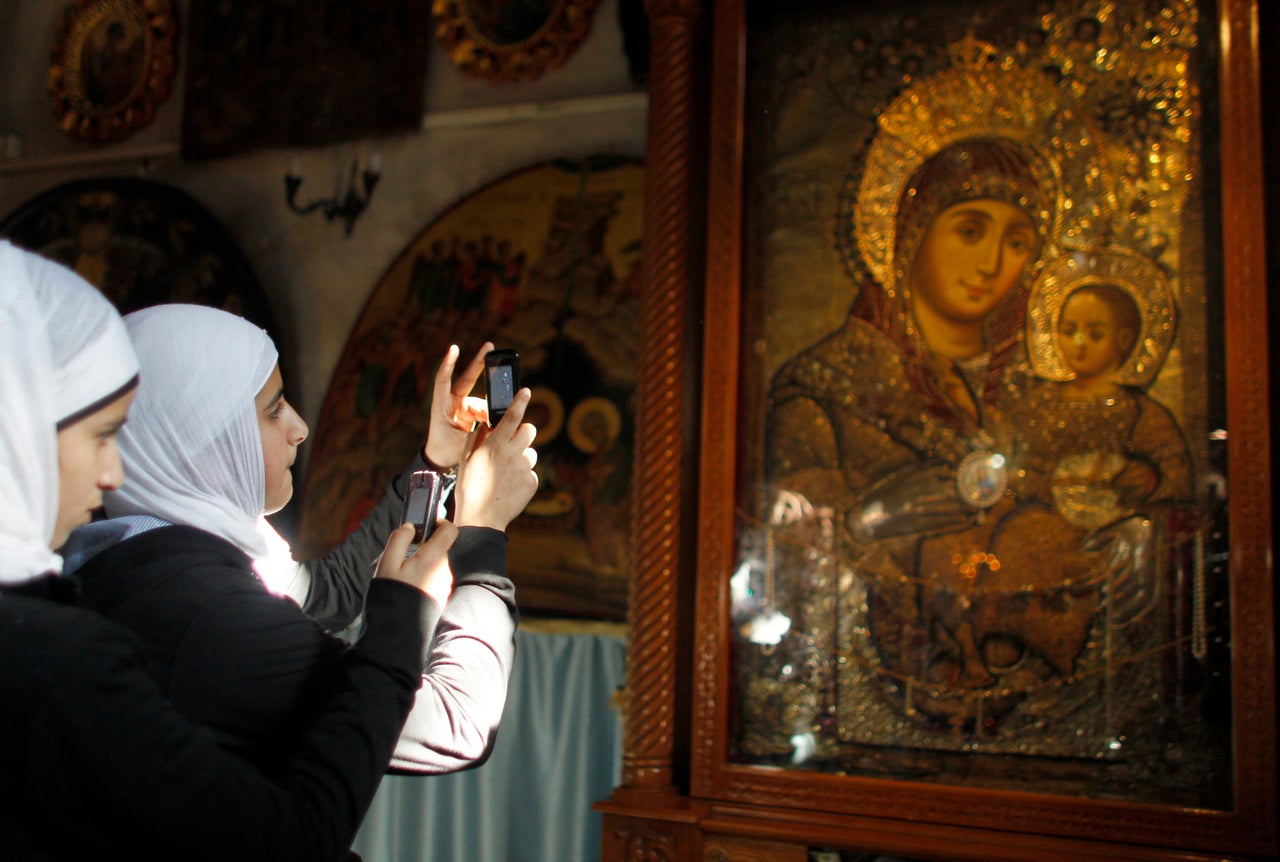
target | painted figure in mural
x=913, y=456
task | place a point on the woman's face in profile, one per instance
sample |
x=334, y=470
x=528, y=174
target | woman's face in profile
x=971, y=256
x=88, y=464
x=282, y=431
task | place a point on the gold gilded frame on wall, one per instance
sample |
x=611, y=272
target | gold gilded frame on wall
x=940, y=803
x=112, y=66
x=511, y=40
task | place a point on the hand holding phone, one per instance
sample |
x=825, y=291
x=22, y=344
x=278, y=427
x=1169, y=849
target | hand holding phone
x=427, y=569
x=455, y=412
x=502, y=379
x=498, y=479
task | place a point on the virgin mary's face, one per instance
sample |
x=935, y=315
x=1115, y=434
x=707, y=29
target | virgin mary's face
x=971, y=256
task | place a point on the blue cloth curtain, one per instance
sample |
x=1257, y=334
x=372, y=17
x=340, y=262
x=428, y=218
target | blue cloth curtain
x=559, y=750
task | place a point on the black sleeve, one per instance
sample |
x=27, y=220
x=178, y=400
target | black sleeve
x=99, y=761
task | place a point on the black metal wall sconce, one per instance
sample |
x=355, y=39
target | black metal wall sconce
x=345, y=204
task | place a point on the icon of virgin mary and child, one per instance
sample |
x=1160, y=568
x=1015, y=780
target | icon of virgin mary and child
x=998, y=481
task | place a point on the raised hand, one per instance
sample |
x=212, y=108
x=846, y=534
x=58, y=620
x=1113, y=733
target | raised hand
x=454, y=410
x=428, y=569
x=497, y=481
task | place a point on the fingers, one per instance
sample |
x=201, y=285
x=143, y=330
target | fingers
x=444, y=375
x=428, y=569
x=511, y=420
x=393, y=555
x=514, y=431
x=475, y=407
x=497, y=480
x=453, y=395
x=454, y=413
x=472, y=372
x=437, y=545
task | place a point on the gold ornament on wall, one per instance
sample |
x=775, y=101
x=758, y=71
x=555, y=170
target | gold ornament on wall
x=511, y=40
x=111, y=67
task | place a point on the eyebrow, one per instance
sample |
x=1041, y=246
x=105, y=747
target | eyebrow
x=274, y=399
x=963, y=212
x=112, y=427
x=1025, y=224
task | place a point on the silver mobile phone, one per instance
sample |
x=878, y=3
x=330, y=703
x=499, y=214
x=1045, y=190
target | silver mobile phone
x=422, y=503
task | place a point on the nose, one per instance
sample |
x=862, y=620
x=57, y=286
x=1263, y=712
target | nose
x=301, y=431
x=990, y=255
x=111, y=476
x=1078, y=339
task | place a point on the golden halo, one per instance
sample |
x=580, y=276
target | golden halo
x=1137, y=275
x=545, y=402
x=980, y=96
x=594, y=423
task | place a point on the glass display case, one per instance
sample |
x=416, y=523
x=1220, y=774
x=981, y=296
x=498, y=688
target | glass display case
x=983, y=533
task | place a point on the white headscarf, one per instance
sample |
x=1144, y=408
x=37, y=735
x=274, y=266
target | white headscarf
x=93, y=359
x=192, y=450
x=63, y=353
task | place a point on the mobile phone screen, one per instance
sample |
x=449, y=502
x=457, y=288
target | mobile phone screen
x=502, y=386
x=502, y=379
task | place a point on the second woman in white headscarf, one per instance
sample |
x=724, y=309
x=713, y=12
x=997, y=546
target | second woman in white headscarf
x=194, y=451
x=209, y=448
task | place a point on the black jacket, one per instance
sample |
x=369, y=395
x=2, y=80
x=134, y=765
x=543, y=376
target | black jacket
x=253, y=666
x=96, y=764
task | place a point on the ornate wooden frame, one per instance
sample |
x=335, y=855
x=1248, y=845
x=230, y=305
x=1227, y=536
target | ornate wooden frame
x=729, y=808
x=102, y=111
x=485, y=50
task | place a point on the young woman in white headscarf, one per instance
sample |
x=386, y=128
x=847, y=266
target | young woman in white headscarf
x=95, y=763
x=208, y=449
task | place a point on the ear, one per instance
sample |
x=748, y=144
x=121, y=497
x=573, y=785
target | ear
x=1125, y=338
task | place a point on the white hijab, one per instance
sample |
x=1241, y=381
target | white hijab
x=192, y=450
x=63, y=354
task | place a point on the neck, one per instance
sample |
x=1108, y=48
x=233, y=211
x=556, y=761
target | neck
x=1090, y=388
x=946, y=337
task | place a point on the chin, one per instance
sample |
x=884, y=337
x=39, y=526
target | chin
x=274, y=506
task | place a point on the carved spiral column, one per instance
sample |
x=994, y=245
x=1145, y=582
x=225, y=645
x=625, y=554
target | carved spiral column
x=660, y=398
x=1244, y=265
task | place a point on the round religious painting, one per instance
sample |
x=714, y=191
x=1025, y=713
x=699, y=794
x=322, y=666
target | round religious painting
x=112, y=65
x=141, y=243
x=544, y=261
x=511, y=40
